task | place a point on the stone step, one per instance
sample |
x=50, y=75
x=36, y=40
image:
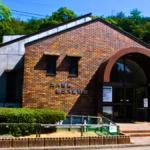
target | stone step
x=135, y=131
x=138, y=134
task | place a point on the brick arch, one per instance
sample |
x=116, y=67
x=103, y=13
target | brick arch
x=118, y=55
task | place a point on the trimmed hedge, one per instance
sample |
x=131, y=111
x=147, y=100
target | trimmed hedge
x=23, y=115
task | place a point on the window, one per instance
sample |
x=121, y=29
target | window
x=51, y=65
x=11, y=86
x=73, y=69
x=126, y=70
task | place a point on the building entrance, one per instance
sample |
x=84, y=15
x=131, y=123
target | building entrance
x=129, y=92
x=129, y=103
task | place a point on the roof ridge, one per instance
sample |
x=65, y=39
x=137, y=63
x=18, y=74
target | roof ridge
x=112, y=26
x=42, y=30
x=124, y=32
x=89, y=14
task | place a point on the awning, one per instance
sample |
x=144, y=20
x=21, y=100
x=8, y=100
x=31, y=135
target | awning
x=51, y=54
x=74, y=55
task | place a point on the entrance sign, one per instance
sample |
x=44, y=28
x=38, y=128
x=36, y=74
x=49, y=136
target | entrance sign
x=145, y=102
x=112, y=129
x=107, y=94
x=66, y=88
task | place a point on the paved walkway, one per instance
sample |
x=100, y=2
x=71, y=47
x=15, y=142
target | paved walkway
x=134, y=126
x=144, y=126
x=140, y=140
x=126, y=148
x=98, y=147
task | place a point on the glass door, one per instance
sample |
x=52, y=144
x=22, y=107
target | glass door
x=123, y=103
x=129, y=103
x=118, y=102
x=141, y=112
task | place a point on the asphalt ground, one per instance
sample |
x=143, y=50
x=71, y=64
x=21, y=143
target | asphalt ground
x=101, y=147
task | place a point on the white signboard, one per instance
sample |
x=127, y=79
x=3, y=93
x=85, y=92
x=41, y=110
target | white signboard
x=107, y=94
x=145, y=102
x=112, y=129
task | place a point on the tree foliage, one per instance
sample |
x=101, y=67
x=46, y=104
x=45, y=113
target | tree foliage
x=135, y=23
x=5, y=20
x=5, y=12
x=61, y=15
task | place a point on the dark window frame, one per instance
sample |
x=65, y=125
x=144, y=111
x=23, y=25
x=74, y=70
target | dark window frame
x=11, y=87
x=51, y=65
x=73, y=66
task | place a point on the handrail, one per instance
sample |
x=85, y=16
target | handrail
x=57, y=125
x=96, y=117
x=109, y=120
x=19, y=123
x=101, y=120
x=39, y=125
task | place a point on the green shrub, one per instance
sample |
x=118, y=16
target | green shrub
x=49, y=116
x=32, y=116
x=21, y=116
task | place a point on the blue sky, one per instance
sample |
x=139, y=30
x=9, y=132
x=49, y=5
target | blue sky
x=80, y=7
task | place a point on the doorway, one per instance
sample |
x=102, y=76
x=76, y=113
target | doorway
x=129, y=82
x=128, y=104
x=123, y=103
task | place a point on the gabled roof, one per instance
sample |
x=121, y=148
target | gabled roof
x=108, y=24
x=125, y=33
x=74, y=26
x=77, y=21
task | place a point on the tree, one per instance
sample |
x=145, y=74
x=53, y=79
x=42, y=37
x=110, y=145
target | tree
x=33, y=25
x=5, y=21
x=127, y=25
x=135, y=15
x=120, y=15
x=61, y=15
x=146, y=37
x=5, y=12
x=139, y=31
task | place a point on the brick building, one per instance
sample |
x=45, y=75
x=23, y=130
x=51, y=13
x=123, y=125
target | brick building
x=84, y=66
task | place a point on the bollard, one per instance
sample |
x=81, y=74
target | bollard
x=6, y=142
x=67, y=141
x=113, y=140
x=127, y=140
x=20, y=142
x=96, y=140
x=81, y=141
x=51, y=142
x=36, y=142
x=121, y=139
x=107, y=140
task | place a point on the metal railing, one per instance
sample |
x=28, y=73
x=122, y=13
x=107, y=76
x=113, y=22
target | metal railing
x=72, y=122
x=77, y=119
x=91, y=120
x=39, y=126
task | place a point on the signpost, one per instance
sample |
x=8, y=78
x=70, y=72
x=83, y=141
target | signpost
x=112, y=129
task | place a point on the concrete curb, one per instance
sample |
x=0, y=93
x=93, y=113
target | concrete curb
x=78, y=147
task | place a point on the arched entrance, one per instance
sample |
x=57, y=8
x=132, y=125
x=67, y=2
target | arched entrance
x=125, y=91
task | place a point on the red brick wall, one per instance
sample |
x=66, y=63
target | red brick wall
x=95, y=42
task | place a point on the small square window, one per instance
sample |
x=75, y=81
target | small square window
x=51, y=65
x=73, y=68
